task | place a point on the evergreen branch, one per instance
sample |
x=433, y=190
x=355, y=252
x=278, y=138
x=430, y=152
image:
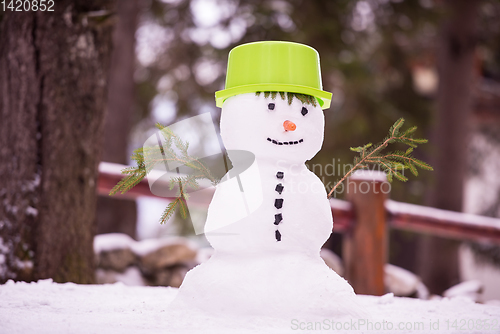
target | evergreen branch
x=391, y=163
x=171, y=149
x=413, y=169
x=358, y=165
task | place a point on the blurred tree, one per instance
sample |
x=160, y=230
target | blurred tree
x=53, y=70
x=120, y=215
x=438, y=257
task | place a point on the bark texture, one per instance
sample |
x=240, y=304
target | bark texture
x=120, y=215
x=53, y=71
x=439, y=257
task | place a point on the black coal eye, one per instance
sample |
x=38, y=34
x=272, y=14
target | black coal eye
x=271, y=106
x=304, y=111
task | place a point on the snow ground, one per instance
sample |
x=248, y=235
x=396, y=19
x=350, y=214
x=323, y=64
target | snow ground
x=46, y=307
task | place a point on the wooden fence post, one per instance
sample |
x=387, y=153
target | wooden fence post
x=365, y=245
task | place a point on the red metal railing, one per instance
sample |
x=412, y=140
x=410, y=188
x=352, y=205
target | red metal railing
x=401, y=216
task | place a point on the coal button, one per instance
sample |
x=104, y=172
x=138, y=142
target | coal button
x=278, y=203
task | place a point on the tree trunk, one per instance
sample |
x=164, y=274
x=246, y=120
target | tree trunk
x=53, y=71
x=119, y=215
x=438, y=260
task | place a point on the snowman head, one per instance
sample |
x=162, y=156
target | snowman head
x=276, y=126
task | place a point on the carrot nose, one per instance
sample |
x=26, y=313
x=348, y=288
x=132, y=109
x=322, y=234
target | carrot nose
x=289, y=126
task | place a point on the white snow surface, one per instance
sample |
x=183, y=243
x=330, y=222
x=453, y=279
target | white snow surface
x=47, y=307
x=151, y=245
x=112, y=241
x=439, y=214
x=369, y=175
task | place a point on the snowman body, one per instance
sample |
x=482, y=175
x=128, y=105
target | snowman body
x=294, y=214
x=267, y=262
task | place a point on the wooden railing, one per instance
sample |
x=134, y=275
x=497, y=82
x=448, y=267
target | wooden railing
x=363, y=220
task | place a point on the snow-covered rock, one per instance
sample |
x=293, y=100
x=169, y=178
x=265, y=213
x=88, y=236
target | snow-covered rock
x=112, y=241
x=165, y=255
x=165, y=261
x=403, y=283
x=118, y=259
x=113, y=251
x=470, y=289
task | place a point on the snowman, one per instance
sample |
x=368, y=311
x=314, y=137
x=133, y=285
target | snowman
x=294, y=214
x=266, y=261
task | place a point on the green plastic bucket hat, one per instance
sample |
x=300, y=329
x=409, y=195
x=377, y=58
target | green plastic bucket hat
x=274, y=66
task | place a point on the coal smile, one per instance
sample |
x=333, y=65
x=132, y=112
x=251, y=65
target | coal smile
x=275, y=142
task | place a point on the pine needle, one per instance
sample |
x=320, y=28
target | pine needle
x=169, y=211
x=304, y=98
